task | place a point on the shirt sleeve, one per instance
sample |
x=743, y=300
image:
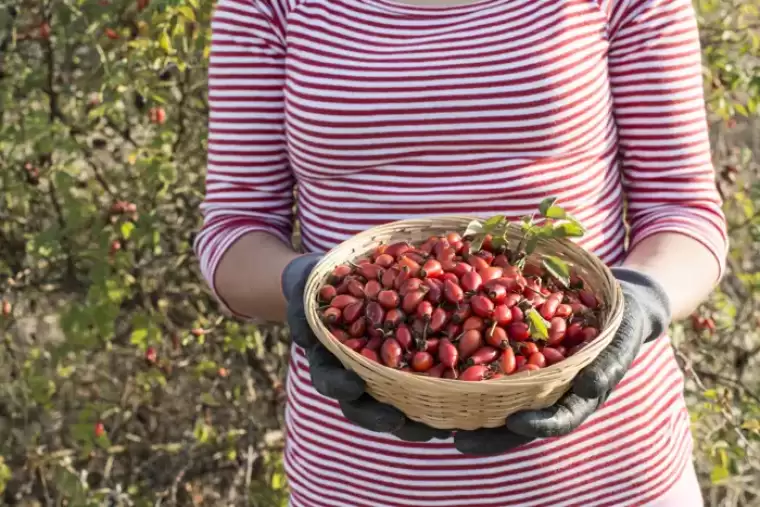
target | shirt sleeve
x=249, y=184
x=656, y=78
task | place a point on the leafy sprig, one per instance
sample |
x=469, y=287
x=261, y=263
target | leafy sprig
x=552, y=222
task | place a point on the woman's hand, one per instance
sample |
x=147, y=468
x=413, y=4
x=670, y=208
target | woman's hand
x=646, y=317
x=328, y=375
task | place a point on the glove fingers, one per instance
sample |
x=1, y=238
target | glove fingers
x=487, y=441
x=559, y=419
x=372, y=415
x=330, y=378
x=413, y=431
x=604, y=373
x=295, y=275
x=300, y=330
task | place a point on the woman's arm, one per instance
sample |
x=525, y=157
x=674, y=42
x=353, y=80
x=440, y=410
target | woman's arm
x=245, y=240
x=677, y=228
x=683, y=266
x=248, y=276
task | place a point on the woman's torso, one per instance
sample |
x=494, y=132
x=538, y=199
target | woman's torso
x=395, y=111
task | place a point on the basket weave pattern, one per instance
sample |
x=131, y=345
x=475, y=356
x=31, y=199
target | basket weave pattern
x=453, y=404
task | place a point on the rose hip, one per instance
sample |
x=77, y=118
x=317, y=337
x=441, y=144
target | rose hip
x=452, y=292
x=375, y=343
x=372, y=289
x=358, y=328
x=478, y=263
x=474, y=322
x=410, y=285
x=327, y=293
x=481, y=306
x=498, y=294
x=500, y=261
x=388, y=299
x=483, y=355
x=557, y=330
x=462, y=268
x=490, y=273
x=517, y=313
x=425, y=311
x=370, y=271
x=588, y=299
x=339, y=334
x=520, y=361
x=518, y=331
x=404, y=336
x=528, y=348
x=475, y=373
x=393, y=318
x=451, y=373
x=434, y=290
x=497, y=337
x=461, y=314
x=410, y=265
x=396, y=249
x=339, y=273
x=411, y=301
x=552, y=355
x=370, y=354
x=448, y=353
x=353, y=312
x=507, y=361
x=431, y=346
x=470, y=341
x=375, y=314
x=355, y=343
x=436, y=371
x=422, y=361
x=502, y=315
x=471, y=282
x=355, y=288
x=342, y=301
x=438, y=320
x=564, y=311
x=549, y=308
x=431, y=269
x=452, y=330
x=391, y=353
x=388, y=280
x=332, y=316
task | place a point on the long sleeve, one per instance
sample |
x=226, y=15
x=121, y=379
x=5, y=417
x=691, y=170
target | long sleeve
x=249, y=184
x=656, y=79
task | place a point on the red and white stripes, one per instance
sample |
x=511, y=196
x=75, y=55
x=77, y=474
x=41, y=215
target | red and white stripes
x=379, y=111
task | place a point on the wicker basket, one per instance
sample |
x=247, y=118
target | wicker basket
x=452, y=404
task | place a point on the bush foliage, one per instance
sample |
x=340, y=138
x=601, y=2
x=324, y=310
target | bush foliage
x=120, y=381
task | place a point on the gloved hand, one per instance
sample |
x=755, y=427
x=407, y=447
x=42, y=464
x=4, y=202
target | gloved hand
x=331, y=379
x=646, y=316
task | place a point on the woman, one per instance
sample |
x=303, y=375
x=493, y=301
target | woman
x=388, y=109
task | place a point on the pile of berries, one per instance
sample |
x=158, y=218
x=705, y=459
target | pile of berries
x=465, y=308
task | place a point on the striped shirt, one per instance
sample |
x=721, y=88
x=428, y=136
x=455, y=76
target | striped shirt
x=379, y=110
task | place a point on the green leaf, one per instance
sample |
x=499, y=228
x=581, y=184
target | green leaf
x=558, y=268
x=539, y=328
x=719, y=474
x=165, y=42
x=556, y=213
x=499, y=242
x=568, y=230
x=187, y=12
x=547, y=203
x=126, y=229
x=531, y=245
x=494, y=222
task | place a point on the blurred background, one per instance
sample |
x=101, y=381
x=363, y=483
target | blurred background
x=120, y=381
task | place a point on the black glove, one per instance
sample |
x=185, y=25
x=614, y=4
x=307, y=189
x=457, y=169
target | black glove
x=646, y=316
x=331, y=379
